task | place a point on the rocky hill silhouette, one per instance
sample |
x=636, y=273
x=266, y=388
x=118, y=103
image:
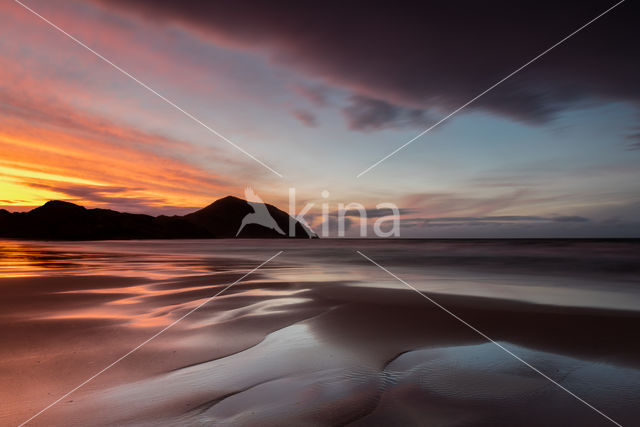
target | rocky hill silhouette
x=57, y=220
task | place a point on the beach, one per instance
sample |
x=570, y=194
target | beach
x=505, y=332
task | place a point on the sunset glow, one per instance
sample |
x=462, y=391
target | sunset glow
x=406, y=213
x=75, y=128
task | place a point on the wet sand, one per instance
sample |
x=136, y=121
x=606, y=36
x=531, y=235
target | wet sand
x=319, y=336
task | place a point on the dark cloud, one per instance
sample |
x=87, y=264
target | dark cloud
x=369, y=114
x=306, y=117
x=433, y=55
x=570, y=219
x=373, y=213
x=522, y=229
x=93, y=193
x=485, y=220
x=112, y=197
x=635, y=141
x=508, y=218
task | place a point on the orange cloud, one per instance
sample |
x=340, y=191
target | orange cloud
x=58, y=141
x=44, y=140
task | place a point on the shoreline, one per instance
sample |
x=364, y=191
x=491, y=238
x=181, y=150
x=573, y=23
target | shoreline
x=304, y=326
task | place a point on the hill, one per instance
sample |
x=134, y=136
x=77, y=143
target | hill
x=57, y=220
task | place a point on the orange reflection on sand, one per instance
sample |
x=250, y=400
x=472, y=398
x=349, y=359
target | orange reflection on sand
x=10, y=275
x=142, y=297
x=18, y=258
x=17, y=261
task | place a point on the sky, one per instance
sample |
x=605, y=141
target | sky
x=319, y=92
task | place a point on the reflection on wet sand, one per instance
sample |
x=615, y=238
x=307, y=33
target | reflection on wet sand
x=319, y=337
